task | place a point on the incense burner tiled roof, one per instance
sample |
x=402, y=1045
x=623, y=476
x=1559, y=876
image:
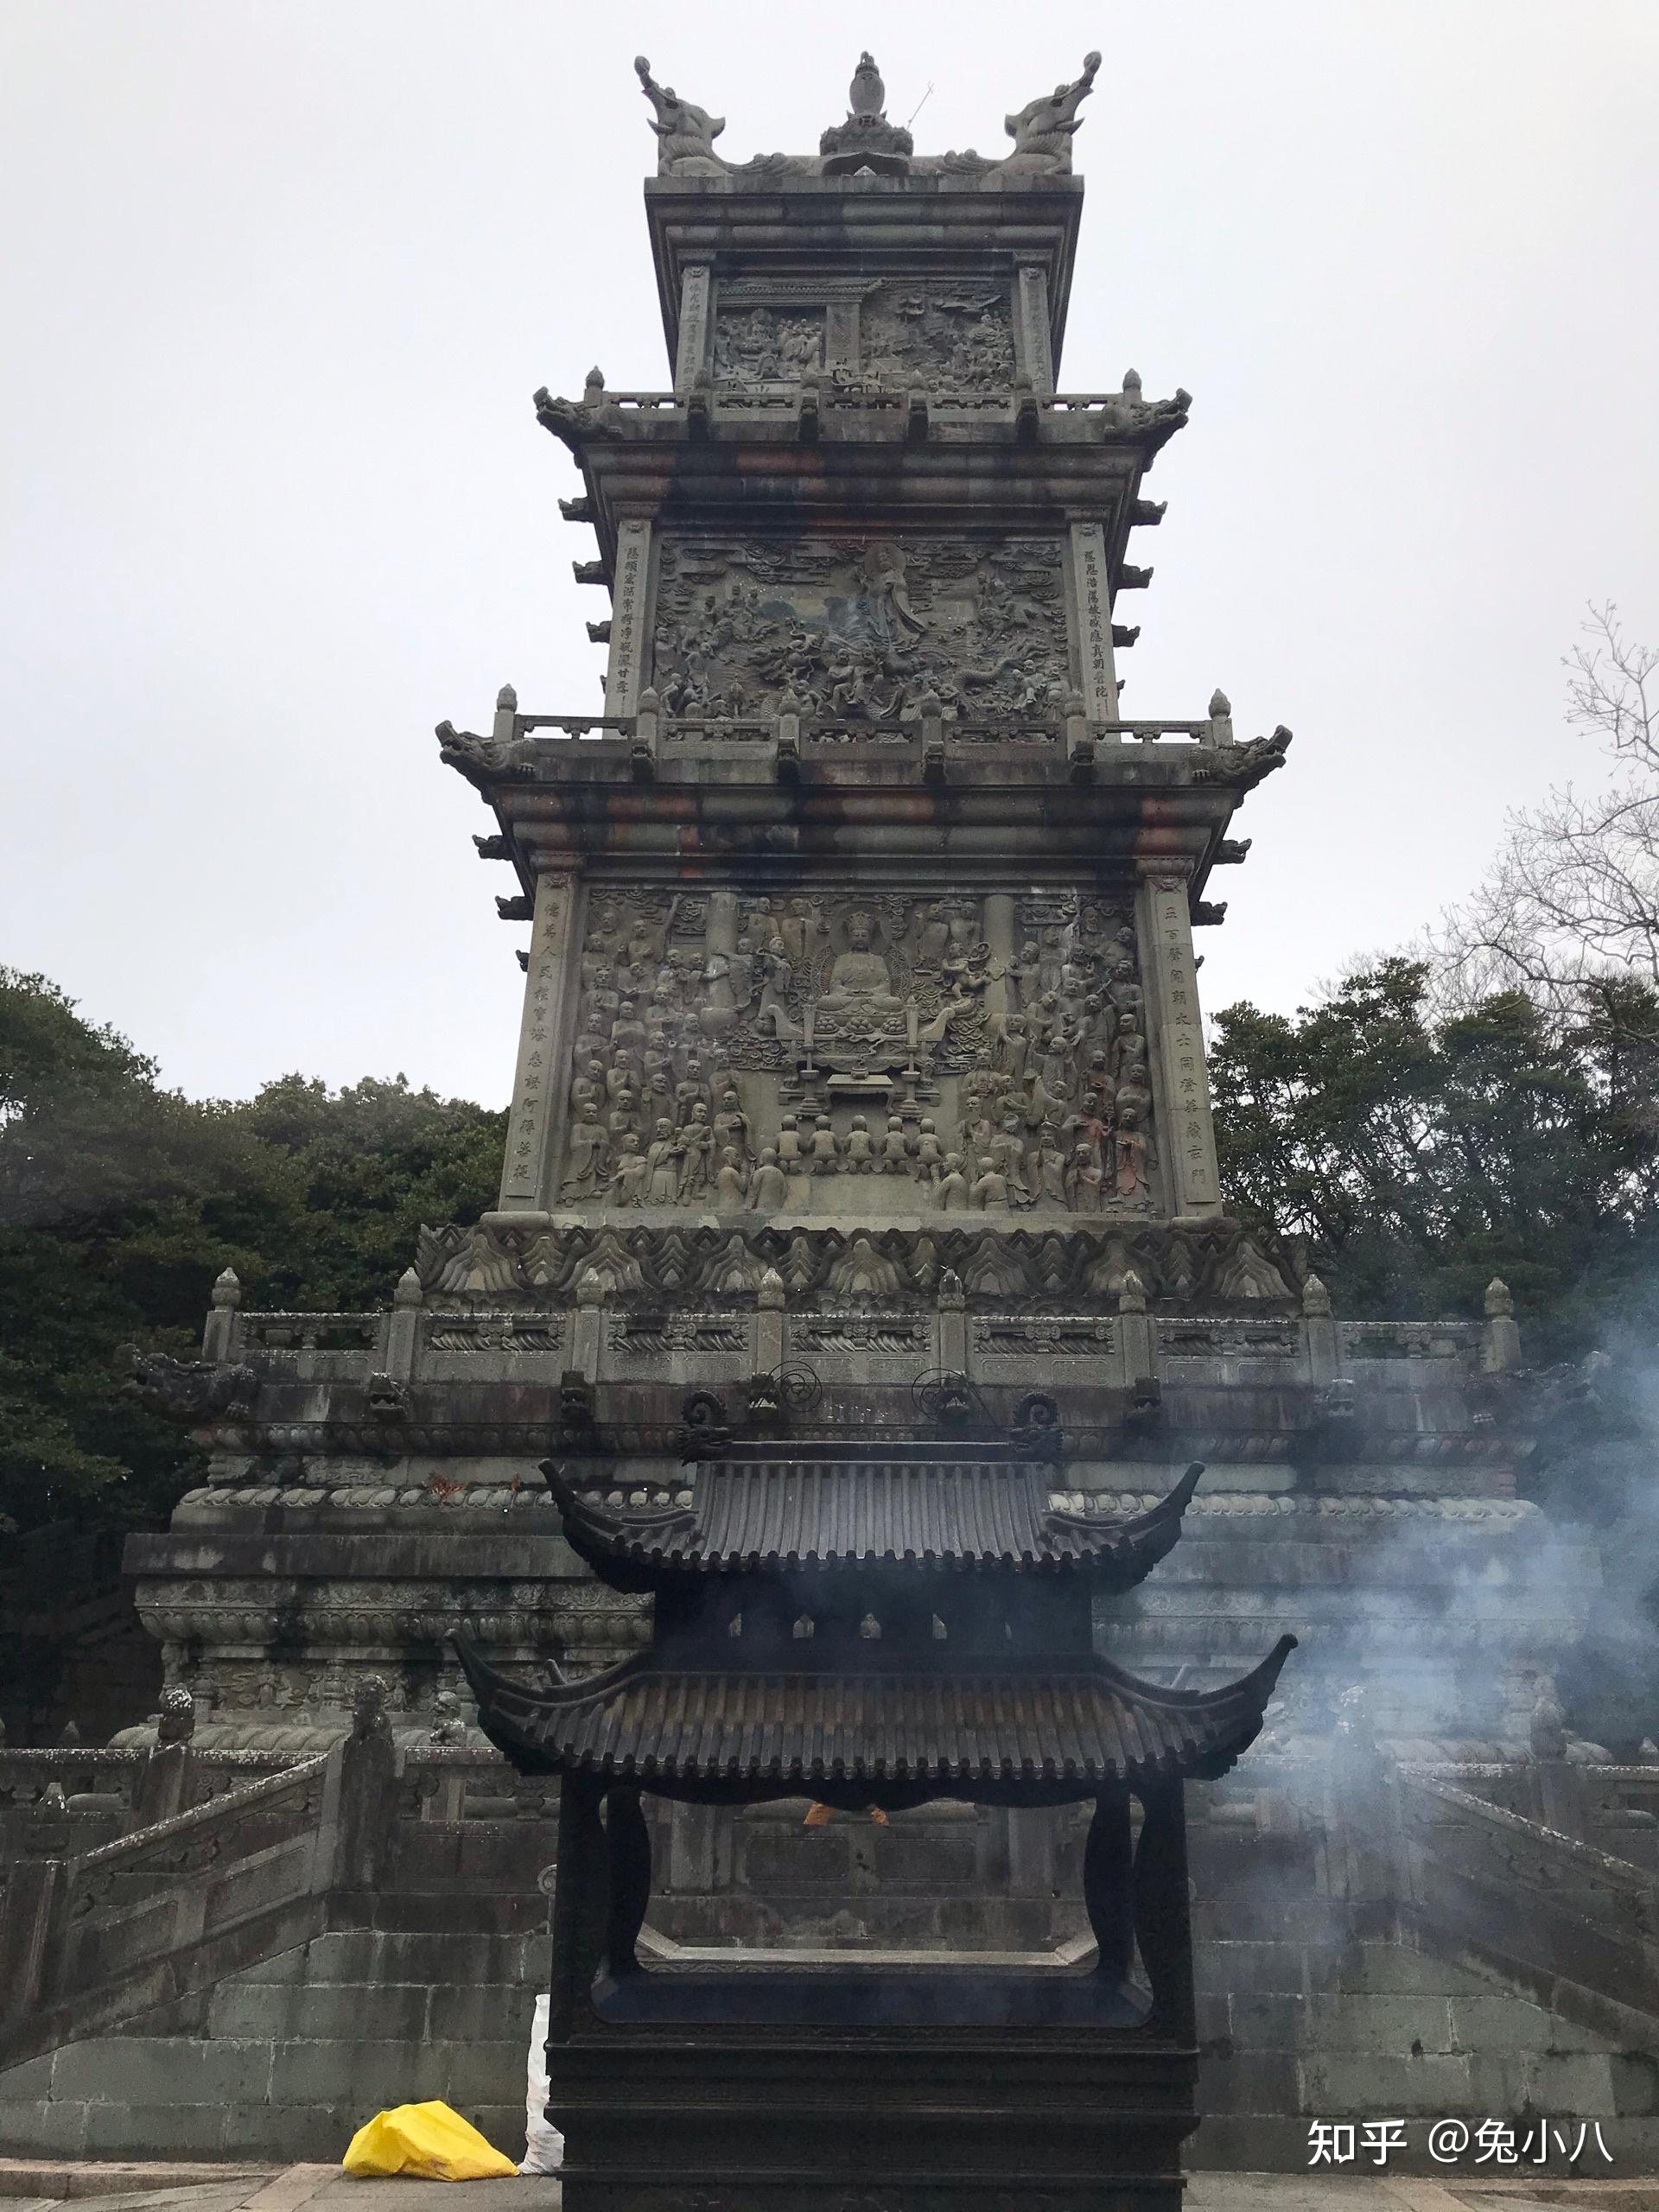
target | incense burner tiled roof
x=1018, y=1727
x=915, y=1509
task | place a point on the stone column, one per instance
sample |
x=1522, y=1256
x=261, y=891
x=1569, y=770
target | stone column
x=1033, y=353
x=691, y=357
x=1186, y=1137
x=629, y=603
x=1091, y=620
x=544, y=1048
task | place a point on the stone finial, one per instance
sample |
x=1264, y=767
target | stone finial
x=953, y=1298
x=650, y=701
x=1547, y=1728
x=70, y=1739
x=1132, y=383
x=177, y=1721
x=1355, y=1719
x=1316, y=1300
x=409, y=1291
x=506, y=700
x=866, y=141
x=866, y=94
x=448, y=1724
x=590, y=1287
x=1132, y=1298
x=769, y=1296
x=1219, y=703
x=227, y=1288
x=1500, y=1300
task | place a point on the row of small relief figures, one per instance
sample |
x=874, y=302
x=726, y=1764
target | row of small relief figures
x=1097, y=1158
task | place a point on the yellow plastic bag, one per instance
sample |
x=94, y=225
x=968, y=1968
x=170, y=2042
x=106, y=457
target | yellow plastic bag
x=431, y=2142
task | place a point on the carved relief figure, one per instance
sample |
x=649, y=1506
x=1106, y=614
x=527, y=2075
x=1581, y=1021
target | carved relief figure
x=870, y=636
x=870, y=1035
x=944, y=337
x=763, y=346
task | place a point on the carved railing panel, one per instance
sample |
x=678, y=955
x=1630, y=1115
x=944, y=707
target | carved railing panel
x=1559, y=1909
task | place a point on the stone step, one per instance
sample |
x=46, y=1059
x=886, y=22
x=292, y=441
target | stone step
x=373, y=1956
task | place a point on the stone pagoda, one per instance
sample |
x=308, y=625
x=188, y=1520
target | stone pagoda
x=860, y=1108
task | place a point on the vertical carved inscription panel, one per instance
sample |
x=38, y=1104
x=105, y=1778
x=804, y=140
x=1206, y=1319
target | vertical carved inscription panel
x=1091, y=592
x=629, y=617
x=1187, y=1082
x=537, y=1077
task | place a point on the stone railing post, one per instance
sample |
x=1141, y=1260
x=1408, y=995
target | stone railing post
x=643, y=751
x=1137, y=1341
x=953, y=1324
x=1500, y=1345
x=769, y=1324
x=1321, y=1338
x=403, y=1327
x=788, y=743
x=218, y=1336
x=1080, y=738
x=505, y=728
x=367, y=1799
x=1220, y=719
x=163, y=1788
x=588, y=1326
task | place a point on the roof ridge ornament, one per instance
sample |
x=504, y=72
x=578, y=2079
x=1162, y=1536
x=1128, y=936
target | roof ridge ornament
x=1042, y=130
x=685, y=133
x=866, y=141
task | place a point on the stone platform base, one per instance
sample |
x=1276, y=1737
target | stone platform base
x=899, y=2119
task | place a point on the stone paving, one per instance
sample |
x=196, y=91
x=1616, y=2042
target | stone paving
x=30, y=2186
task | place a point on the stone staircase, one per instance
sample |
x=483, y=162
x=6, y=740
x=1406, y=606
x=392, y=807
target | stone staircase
x=259, y=1970
x=257, y=1975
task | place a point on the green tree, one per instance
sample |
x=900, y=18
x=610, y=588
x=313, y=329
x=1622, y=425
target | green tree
x=120, y=1203
x=1419, y=1156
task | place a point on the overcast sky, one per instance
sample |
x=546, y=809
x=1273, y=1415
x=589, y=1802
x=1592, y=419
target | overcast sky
x=280, y=276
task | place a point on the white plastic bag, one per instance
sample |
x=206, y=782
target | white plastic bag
x=544, y=2145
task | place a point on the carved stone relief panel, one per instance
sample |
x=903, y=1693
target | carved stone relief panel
x=858, y=1052
x=862, y=631
x=767, y=344
x=943, y=335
